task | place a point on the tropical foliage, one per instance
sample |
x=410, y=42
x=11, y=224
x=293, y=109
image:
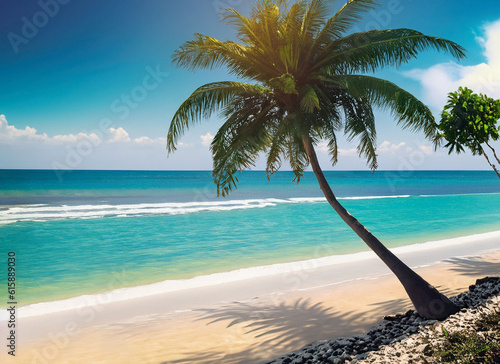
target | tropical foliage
x=470, y=121
x=308, y=79
x=305, y=81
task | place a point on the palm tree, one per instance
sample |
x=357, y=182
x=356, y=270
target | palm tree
x=306, y=84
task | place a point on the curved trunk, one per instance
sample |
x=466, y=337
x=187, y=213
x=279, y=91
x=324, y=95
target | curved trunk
x=488, y=160
x=428, y=301
x=494, y=152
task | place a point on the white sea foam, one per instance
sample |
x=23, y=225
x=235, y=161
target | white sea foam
x=373, y=197
x=46, y=212
x=52, y=212
x=443, y=249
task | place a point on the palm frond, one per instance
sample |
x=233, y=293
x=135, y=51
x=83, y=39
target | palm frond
x=205, y=52
x=328, y=132
x=202, y=103
x=306, y=71
x=297, y=156
x=360, y=124
x=314, y=18
x=244, y=135
x=309, y=100
x=410, y=112
x=277, y=145
x=372, y=50
x=351, y=13
x=267, y=53
x=274, y=156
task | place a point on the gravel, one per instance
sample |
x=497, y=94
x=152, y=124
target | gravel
x=401, y=338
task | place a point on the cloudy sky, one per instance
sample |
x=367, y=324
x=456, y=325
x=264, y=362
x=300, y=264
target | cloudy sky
x=89, y=84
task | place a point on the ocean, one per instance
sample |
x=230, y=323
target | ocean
x=85, y=232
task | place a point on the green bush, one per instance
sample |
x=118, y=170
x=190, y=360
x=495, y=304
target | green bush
x=481, y=346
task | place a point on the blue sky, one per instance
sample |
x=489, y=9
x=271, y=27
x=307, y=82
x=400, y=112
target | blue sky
x=89, y=84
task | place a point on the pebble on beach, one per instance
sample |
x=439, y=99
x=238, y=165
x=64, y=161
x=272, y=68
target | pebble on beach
x=401, y=338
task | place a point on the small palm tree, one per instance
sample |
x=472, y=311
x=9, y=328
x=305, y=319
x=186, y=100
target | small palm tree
x=307, y=85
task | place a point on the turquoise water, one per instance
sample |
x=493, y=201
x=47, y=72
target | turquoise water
x=77, y=234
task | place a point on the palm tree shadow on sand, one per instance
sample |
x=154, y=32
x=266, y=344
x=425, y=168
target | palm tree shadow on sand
x=474, y=266
x=283, y=325
x=287, y=326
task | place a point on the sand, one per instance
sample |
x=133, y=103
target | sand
x=248, y=320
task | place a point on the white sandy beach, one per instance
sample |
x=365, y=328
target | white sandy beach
x=247, y=316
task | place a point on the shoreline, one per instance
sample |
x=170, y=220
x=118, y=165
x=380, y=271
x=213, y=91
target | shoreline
x=413, y=255
x=250, y=320
x=231, y=329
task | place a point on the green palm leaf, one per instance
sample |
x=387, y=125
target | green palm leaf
x=351, y=13
x=373, y=50
x=202, y=103
x=408, y=111
x=360, y=124
x=306, y=72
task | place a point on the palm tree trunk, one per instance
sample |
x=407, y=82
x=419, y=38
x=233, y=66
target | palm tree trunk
x=428, y=301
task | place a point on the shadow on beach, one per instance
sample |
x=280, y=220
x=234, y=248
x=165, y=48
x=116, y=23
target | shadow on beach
x=280, y=328
x=257, y=333
x=474, y=266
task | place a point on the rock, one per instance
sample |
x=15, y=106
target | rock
x=409, y=333
x=427, y=351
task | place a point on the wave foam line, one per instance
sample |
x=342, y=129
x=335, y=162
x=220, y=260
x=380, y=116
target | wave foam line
x=45, y=213
x=168, y=286
x=51, y=212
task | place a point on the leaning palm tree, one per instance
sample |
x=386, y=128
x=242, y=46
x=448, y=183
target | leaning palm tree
x=307, y=83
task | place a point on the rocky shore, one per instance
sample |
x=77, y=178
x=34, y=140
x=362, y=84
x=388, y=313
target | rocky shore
x=402, y=338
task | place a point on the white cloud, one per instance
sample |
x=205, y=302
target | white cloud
x=144, y=140
x=388, y=147
x=9, y=134
x=182, y=145
x=385, y=147
x=323, y=148
x=443, y=78
x=118, y=135
x=70, y=138
x=427, y=149
x=103, y=148
x=351, y=151
x=206, y=139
